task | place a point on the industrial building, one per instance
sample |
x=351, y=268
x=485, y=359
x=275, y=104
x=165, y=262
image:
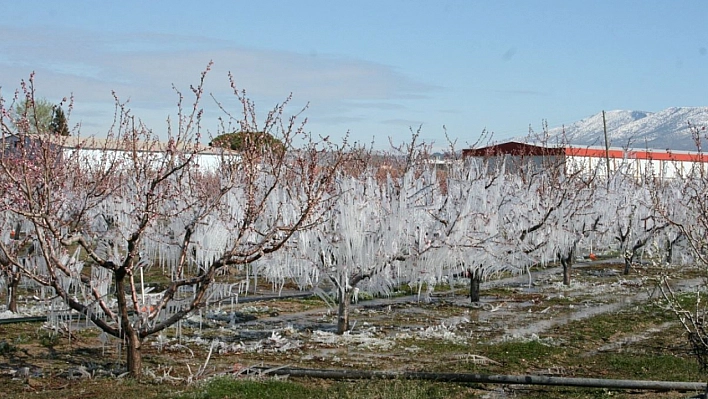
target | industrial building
x=665, y=164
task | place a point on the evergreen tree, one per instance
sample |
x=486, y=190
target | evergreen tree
x=59, y=125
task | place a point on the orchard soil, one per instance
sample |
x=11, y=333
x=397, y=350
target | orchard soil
x=604, y=325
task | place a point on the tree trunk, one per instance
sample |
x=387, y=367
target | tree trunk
x=134, y=355
x=475, y=280
x=345, y=298
x=133, y=342
x=567, y=265
x=12, y=286
x=627, y=263
x=670, y=249
x=567, y=262
x=13, y=277
x=669, y=252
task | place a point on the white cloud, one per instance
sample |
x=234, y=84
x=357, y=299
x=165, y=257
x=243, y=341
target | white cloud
x=143, y=68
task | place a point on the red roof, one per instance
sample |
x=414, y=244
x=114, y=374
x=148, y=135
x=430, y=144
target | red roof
x=513, y=148
x=658, y=155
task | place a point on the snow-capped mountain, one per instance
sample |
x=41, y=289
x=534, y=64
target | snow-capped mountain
x=637, y=129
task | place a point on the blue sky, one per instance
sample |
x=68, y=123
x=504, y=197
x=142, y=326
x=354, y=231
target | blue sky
x=372, y=68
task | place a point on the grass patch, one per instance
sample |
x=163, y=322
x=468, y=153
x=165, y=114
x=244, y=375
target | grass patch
x=226, y=387
x=86, y=389
x=231, y=388
x=435, y=347
x=395, y=389
x=633, y=366
x=518, y=357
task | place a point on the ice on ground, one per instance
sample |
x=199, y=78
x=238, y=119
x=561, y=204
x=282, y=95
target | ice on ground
x=364, y=339
x=441, y=332
x=453, y=322
x=276, y=343
x=256, y=309
x=8, y=315
x=24, y=311
x=548, y=341
x=444, y=331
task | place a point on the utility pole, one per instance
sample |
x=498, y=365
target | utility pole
x=607, y=146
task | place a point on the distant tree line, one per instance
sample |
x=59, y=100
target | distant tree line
x=39, y=116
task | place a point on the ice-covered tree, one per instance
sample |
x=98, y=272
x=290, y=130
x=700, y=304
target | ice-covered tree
x=562, y=194
x=631, y=221
x=543, y=196
x=668, y=201
x=577, y=216
x=368, y=235
x=464, y=223
x=373, y=233
x=683, y=204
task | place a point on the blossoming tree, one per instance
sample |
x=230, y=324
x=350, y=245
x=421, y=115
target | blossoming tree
x=101, y=218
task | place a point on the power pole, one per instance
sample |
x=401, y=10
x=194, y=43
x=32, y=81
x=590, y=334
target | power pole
x=607, y=146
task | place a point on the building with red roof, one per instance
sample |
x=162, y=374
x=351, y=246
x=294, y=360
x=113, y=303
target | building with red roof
x=659, y=163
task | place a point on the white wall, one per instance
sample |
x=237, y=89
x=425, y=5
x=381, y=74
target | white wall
x=660, y=168
x=207, y=161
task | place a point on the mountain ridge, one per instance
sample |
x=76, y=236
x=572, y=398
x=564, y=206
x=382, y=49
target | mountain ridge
x=665, y=129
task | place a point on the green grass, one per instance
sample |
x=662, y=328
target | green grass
x=519, y=357
x=226, y=387
x=435, y=347
x=644, y=367
x=232, y=388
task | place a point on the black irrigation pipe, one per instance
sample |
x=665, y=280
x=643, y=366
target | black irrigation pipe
x=30, y=319
x=247, y=299
x=490, y=379
x=37, y=319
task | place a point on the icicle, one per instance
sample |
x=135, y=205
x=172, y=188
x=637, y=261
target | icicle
x=178, y=331
x=255, y=280
x=248, y=267
x=103, y=338
x=528, y=270
x=142, y=285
